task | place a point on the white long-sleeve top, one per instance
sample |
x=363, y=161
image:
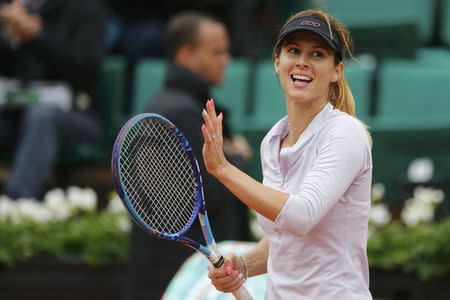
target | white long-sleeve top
x=317, y=244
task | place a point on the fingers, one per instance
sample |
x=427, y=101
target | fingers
x=213, y=122
x=208, y=126
x=206, y=135
x=226, y=278
x=211, y=109
x=230, y=283
x=215, y=119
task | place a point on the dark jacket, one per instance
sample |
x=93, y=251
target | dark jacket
x=69, y=48
x=181, y=100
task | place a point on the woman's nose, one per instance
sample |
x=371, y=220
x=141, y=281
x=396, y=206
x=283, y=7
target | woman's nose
x=302, y=61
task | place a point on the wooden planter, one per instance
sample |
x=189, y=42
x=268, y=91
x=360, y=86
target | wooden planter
x=54, y=279
x=396, y=285
x=48, y=278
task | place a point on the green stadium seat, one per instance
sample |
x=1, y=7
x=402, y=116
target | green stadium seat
x=436, y=57
x=267, y=107
x=413, y=95
x=233, y=93
x=356, y=13
x=269, y=103
x=412, y=120
x=384, y=27
x=86, y=153
x=148, y=78
x=110, y=94
x=359, y=76
x=445, y=28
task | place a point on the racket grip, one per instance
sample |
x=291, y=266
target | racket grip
x=242, y=294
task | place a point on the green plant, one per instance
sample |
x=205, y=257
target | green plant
x=63, y=225
x=415, y=244
x=423, y=250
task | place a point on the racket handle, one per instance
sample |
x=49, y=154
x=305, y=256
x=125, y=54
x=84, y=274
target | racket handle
x=242, y=294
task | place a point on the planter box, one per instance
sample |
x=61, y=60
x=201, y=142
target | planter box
x=55, y=279
x=396, y=285
x=48, y=278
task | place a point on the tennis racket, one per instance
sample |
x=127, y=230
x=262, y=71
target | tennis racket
x=158, y=179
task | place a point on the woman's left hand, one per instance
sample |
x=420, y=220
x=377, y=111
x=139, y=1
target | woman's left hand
x=229, y=277
x=213, y=155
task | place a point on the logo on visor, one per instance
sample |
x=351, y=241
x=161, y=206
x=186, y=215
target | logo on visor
x=310, y=23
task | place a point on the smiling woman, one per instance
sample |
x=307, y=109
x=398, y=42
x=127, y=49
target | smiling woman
x=314, y=201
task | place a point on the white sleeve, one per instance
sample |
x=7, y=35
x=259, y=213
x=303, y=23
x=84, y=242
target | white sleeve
x=340, y=158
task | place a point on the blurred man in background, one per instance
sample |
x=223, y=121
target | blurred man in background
x=50, y=51
x=198, y=52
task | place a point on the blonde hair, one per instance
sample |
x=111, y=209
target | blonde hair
x=340, y=95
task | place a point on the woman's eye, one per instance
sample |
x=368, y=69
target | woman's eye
x=294, y=51
x=317, y=54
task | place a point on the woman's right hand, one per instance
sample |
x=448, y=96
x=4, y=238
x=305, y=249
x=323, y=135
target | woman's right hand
x=230, y=276
x=213, y=156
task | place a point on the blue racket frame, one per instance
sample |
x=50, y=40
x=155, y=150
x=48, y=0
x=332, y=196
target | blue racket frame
x=210, y=251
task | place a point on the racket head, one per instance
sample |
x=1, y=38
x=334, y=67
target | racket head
x=158, y=146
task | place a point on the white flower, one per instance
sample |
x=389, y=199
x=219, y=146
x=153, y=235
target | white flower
x=428, y=196
x=7, y=208
x=420, y=170
x=56, y=202
x=414, y=214
x=84, y=199
x=421, y=207
x=379, y=214
x=377, y=192
x=115, y=204
x=124, y=223
x=33, y=210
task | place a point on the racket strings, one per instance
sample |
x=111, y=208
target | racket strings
x=160, y=202
x=158, y=176
x=167, y=203
x=167, y=199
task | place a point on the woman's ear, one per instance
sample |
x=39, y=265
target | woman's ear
x=276, y=63
x=337, y=72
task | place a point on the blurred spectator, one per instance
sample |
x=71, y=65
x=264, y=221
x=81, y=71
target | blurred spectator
x=254, y=27
x=136, y=29
x=197, y=48
x=50, y=51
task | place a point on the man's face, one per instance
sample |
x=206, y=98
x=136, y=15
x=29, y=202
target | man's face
x=210, y=54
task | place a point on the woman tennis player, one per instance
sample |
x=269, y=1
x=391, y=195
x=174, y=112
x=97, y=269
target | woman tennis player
x=314, y=202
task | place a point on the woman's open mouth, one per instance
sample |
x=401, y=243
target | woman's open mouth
x=301, y=80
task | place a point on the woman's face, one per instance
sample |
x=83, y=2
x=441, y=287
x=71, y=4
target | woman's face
x=306, y=67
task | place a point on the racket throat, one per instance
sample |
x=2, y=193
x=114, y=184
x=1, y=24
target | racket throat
x=215, y=257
